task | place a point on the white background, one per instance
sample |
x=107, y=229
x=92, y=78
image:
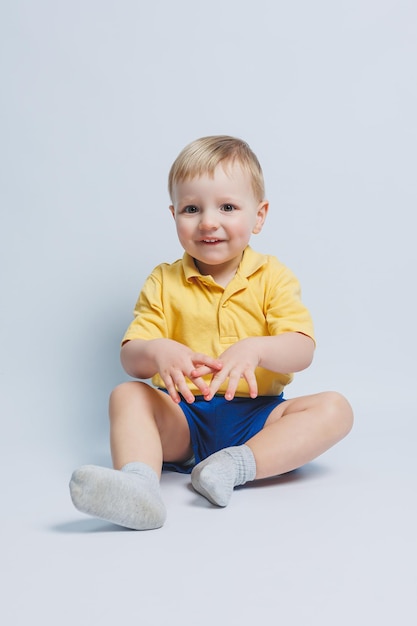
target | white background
x=98, y=98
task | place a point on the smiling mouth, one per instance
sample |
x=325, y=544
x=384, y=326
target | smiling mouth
x=211, y=241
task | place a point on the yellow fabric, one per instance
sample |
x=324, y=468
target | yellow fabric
x=263, y=299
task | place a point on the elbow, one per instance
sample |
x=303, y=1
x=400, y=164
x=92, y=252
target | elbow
x=128, y=359
x=306, y=353
x=134, y=360
x=125, y=360
x=302, y=364
x=310, y=353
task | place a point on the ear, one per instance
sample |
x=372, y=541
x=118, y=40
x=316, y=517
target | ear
x=261, y=214
x=172, y=209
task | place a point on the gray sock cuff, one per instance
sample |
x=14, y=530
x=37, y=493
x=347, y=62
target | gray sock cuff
x=245, y=463
x=141, y=469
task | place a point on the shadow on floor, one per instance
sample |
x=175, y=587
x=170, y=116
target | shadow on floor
x=88, y=526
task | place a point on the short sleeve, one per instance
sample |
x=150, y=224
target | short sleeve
x=285, y=311
x=149, y=319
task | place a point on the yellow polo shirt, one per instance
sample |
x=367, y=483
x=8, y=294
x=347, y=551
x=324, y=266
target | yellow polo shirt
x=263, y=298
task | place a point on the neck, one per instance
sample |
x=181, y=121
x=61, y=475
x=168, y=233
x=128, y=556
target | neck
x=222, y=274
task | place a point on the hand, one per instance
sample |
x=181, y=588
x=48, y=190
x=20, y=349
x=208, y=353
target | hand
x=238, y=361
x=176, y=362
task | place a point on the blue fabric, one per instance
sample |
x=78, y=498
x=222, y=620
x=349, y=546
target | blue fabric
x=221, y=423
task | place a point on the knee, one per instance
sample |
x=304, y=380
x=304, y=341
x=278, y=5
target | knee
x=339, y=411
x=125, y=388
x=124, y=393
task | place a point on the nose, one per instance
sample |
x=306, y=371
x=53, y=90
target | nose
x=209, y=219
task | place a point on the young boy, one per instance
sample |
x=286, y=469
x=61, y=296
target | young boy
x=220, y=332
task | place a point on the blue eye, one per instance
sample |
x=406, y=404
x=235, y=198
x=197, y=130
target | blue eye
x=190, y=209
x=228, y=208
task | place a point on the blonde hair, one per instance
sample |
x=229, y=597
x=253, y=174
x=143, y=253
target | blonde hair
x=203, y=155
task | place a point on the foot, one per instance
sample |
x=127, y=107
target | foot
x=217, y=476
x=130, y=497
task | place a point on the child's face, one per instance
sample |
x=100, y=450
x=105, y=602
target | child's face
x=215, y=217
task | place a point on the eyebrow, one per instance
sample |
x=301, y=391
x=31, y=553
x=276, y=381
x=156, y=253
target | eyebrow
x=220, y=200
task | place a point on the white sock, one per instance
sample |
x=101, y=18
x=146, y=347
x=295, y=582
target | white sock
x=216, y=476
x=130, y=497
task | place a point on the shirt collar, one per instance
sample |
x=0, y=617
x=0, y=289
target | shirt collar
x=250, y=263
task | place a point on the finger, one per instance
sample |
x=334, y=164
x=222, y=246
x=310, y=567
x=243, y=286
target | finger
x=210, y=362
x=175, y=384
x=234, y=379
x=201, y=384
x=215, y=384
x=250, y=378
x=185, y=391
x=202, y=370
x=171, y=389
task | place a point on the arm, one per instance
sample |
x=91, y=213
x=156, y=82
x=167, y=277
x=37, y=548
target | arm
x=172, y=360
x=285, y=353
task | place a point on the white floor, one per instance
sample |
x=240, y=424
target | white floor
x=331, y=544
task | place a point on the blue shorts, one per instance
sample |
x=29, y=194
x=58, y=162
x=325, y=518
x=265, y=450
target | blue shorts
x=220, y=423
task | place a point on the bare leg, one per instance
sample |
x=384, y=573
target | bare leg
x=146, y=427
x=296, y=432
